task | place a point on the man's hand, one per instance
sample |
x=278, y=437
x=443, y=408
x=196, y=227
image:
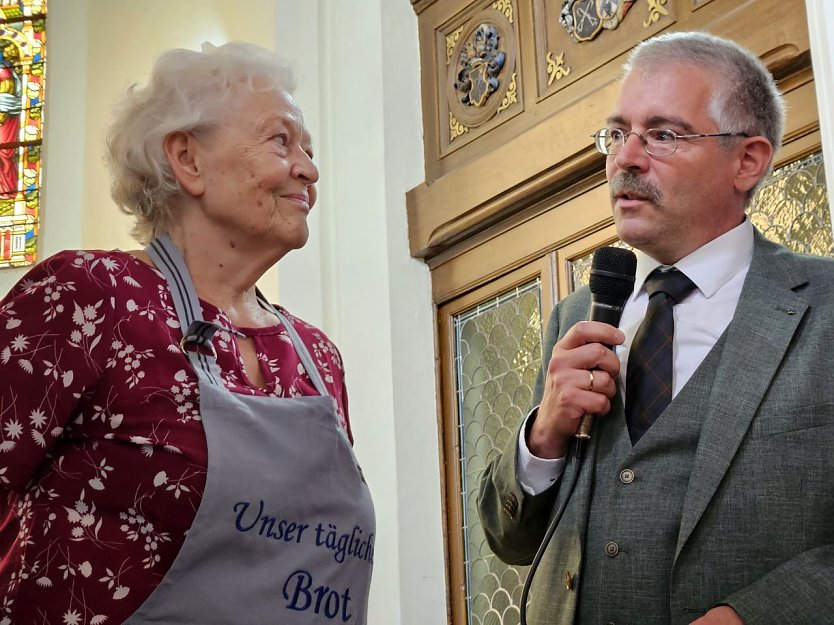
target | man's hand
x=568, y=392
x=722, y=615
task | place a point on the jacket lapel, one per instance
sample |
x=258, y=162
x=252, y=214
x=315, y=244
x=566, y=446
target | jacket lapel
x=766, y=318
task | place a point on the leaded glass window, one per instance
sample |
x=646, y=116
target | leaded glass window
x=22, y=64
x=791, y=207
x=497, y=357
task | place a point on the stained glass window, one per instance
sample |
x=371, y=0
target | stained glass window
x=22, y=62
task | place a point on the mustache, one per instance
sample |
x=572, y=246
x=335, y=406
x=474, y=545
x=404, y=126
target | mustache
x=633, y=184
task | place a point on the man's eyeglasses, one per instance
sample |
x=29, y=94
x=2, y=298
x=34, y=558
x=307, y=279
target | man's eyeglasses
x=656, y=141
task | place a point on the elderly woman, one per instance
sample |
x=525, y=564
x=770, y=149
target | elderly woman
x=174, y=448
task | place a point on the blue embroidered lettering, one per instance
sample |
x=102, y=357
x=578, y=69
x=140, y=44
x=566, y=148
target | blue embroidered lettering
x=345, y=544
x=241, y=507
x=328, y=601
x=284, y=530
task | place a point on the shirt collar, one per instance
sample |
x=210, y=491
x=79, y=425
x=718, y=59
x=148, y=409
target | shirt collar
x=712, y=265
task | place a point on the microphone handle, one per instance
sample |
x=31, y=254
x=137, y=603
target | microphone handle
x=610, y=314
x=584, y=430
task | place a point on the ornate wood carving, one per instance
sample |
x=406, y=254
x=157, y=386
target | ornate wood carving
x=482, y=83
x=584, y=35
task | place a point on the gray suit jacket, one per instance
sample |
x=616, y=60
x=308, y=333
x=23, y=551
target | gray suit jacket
x=757, y=523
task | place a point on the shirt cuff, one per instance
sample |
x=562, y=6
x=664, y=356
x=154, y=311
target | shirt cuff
x=534, y=474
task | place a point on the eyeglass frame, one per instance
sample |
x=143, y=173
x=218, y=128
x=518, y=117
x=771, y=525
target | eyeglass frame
x=644, y=142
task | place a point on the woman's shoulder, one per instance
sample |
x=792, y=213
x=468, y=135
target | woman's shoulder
x=85, y=273
x=84, y=264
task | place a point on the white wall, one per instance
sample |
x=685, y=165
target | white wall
x=821, y=31
x=359, y=65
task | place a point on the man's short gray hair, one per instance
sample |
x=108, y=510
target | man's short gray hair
x=188, y=91
x=746, y=100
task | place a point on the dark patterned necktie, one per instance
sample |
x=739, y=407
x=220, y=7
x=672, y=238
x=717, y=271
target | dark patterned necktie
x=649, y=372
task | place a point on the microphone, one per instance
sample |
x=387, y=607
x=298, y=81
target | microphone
x=612, y=282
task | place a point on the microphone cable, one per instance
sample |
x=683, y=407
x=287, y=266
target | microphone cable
x=611, y=283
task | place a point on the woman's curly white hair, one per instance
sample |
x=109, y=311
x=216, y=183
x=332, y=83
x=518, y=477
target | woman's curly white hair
x=188, y=91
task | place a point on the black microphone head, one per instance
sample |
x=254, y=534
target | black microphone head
x=612, y=273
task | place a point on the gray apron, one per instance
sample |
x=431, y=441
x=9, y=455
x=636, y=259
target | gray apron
x=285, y=530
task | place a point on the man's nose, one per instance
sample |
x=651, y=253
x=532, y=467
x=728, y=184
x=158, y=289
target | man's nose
x=632, y=153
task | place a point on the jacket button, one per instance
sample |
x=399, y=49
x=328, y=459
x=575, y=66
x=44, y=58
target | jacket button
x=611, y=549
x=510, y=506
x=568, y=580
x=626, y=476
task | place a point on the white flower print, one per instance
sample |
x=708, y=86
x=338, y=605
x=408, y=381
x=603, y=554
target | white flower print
x=137, y=528
x=93, y=526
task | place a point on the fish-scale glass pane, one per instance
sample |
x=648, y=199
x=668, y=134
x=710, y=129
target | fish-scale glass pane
x=791, y=207
x=497, y=352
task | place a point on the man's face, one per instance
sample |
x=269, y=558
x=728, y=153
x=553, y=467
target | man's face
x=670, y=206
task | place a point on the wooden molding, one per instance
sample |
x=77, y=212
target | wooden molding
x=420, y=5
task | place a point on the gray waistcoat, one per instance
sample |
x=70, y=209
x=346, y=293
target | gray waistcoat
x=635, y=512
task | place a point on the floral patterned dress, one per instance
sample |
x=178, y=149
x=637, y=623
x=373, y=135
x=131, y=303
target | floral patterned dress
x=102, y=454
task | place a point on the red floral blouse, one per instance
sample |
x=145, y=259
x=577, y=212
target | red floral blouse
x=102, y=454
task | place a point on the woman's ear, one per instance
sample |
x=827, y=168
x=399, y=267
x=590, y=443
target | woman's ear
x=754, y=163
x=181, y=150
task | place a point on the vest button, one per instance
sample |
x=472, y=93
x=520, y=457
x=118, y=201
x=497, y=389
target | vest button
x=626, y=476
x=611, y=549
x=568, y=580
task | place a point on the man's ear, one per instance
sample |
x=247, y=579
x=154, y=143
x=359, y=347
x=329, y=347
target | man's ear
x=754, y=162
x=181, y=150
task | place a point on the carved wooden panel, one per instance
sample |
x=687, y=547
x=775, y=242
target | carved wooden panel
x=477, y=68
x=575, y=37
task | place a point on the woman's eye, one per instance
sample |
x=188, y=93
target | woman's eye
x=282, y=139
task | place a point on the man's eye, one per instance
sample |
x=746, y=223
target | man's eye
x=281, y=139
x=616, y=135
x=662, y=136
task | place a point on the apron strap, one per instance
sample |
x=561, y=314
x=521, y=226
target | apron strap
x=195, y=331
x=300, y=347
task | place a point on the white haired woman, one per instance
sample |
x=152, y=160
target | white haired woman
x=174, y=448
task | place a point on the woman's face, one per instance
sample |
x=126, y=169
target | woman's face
x=258, y=173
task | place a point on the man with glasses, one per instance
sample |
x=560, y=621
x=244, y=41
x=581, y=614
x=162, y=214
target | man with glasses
x=706, y=495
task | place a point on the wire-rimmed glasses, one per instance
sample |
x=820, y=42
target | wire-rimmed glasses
x=655, y=141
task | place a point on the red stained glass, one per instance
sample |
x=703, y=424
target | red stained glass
x=22, y=69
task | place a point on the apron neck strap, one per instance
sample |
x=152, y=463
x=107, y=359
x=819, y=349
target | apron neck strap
x=300, y=347
x=196, y=332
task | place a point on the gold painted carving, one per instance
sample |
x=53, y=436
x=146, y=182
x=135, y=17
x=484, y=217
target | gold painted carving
x=451, y=42
x=511, y=97
x=456, y=129
x=556, y=68
x=505, y=7
x=655, y=10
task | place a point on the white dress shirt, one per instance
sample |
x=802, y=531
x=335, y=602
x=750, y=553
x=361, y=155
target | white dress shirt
x=718, y=270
